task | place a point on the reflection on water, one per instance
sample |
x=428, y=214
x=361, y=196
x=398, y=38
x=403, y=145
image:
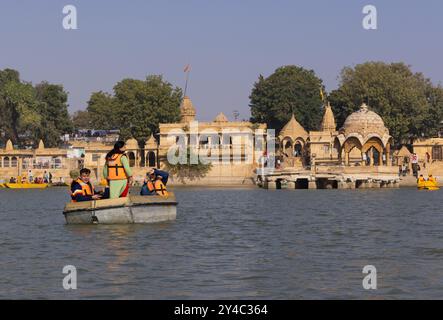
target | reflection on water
x=230, y=243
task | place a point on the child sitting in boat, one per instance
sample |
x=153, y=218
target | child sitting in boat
x=155, y=183
x=82, y=188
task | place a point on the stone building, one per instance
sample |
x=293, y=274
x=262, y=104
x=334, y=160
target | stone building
x=362, y=141
x=430, y=155
x=232, y=143
x=356, y=155
x=232, y=146
x=14, y=162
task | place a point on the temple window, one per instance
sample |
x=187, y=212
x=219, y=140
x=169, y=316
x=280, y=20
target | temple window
x=14, y=162
x=151, y=159
x=437, y=153
x=326, y=148
x=26, y=163
x=131, y=157
x=57, y=163
x=204, y=140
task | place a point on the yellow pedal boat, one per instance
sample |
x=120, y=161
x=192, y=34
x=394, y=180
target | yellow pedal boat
x=26, y=185
x=428, y=185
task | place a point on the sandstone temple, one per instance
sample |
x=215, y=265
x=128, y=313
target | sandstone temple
x=354, y=156
x=357, y=155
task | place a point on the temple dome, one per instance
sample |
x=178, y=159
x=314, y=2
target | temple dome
x=9, y=145
x=221, y=118
x=131, y=144
x=41, y=145
x=187, y=110
x=151, y=143
x=293, y=129
x=365, y=122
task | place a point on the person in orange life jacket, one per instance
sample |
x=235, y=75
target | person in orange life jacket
x=82, y=189
x=117, y=171
x=148, y=188
x=163, y=174
x=160, y=188
x=154, y=185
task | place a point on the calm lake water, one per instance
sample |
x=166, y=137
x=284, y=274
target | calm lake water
x=230, y=244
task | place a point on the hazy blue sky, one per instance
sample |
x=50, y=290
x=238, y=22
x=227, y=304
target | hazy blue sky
x=227, y=42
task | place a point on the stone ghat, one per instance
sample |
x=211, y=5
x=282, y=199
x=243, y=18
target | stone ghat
x=340, y=178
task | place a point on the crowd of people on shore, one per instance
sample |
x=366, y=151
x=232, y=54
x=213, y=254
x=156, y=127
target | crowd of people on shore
x=28, y=177
x=118, y=178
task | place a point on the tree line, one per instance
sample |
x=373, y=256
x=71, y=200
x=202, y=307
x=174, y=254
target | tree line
x=409, y=103
x=29, y=113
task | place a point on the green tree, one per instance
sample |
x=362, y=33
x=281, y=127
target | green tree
x=21, y=120
x=136, y=108
x=102, y=110
x=183, y=171
x=54, y=112
x=143, y=104
x=7, y=112
x=289, y=90
x=81, y=120
x=30, y=113
x=8, y=75
x=408, y=102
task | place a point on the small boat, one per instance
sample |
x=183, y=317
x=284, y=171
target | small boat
x=2, y=185
x=26, y=185
x=132, y=209
x=428, y=185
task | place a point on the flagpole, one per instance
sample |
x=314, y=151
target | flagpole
x=186, y=83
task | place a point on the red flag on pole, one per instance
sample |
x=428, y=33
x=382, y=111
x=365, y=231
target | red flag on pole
x=187, y=68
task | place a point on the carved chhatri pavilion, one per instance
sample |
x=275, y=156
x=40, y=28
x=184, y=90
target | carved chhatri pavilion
x=356, y=155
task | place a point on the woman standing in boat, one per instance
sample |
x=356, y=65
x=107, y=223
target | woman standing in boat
x=117, y=171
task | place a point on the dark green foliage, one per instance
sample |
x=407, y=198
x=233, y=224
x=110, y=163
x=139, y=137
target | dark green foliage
x=289, y=90
x=410, y=105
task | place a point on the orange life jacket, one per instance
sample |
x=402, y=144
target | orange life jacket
x=116, y=170
x=160, y=188
x=87, y=189
x=150, y=186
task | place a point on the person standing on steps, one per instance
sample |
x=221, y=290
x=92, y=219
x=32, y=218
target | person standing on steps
x=117, y=171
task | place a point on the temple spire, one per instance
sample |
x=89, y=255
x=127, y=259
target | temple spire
x=187, y=110
x=328, y=122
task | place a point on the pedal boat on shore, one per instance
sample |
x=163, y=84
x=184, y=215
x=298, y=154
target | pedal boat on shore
x=129, y=210
x=26, y=185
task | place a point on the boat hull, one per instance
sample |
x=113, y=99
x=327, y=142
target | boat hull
x=133, y=209
x=26, y=185
x=428, y=185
